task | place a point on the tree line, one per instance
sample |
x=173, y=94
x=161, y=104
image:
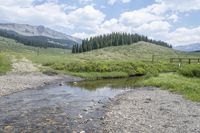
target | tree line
x=113, y=39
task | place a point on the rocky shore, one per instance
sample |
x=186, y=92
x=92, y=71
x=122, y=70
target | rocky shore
x=15, y=82
x=151, y=110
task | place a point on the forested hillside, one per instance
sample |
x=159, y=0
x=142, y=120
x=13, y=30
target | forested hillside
x=38, y=41
x=114, y=39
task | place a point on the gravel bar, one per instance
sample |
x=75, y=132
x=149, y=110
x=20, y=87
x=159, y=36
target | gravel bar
x=151, y=110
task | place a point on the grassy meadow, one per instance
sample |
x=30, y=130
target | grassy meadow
x=114, y=62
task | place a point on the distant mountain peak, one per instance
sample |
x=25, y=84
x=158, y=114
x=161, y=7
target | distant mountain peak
x=29, y=30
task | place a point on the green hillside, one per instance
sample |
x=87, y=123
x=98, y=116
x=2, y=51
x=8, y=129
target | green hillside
x=136, y=51
x=141, y=51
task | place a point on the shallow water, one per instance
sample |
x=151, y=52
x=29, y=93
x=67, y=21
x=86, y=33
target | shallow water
x=72, y=107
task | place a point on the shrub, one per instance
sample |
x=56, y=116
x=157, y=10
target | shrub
x=192, y=70
x=128, y=67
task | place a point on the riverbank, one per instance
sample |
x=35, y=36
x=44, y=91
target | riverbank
x=152, y=110
x=14, y=82
x=26, y=75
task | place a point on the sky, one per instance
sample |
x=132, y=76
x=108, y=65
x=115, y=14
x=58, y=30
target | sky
x=174, y=21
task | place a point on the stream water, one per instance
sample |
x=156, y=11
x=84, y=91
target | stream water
x=72, y=107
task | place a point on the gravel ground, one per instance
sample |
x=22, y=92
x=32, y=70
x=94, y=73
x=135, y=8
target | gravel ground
x=15, y=82
x=25, y=74
x=152, y=110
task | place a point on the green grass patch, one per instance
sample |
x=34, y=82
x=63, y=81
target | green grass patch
x=5, y=64
x=188, y=87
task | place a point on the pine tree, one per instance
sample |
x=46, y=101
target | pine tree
x=114, y=39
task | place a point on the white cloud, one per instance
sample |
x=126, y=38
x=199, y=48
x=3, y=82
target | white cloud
x=138, y=17
x=174, y=18
x=158, y=9
x=184, y=35
x=112, y=25
x=181, y=5
x=87, y=18
x=51, y=14
x=154, y=27
x=82, y=35
x=46, y=14
x=20, y=3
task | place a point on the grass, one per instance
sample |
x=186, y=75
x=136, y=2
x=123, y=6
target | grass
x=140, y=51
x=5, y=64
x=188, y=87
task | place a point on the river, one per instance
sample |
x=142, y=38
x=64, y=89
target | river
x=71, y=107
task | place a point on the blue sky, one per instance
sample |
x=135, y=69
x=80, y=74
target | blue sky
x=174, y=21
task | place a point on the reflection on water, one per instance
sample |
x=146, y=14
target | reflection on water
x=73, y=107
x=124, y=83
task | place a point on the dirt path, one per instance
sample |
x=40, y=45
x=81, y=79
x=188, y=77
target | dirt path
x=151, y=110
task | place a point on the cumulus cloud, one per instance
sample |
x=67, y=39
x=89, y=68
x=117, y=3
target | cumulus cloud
x=87, y=18
x=47, y=14
x=113, y=25
x=184, y=35
x=155, y=20
x=21, y=3
x=51, y=14
x=138, y=17
x=154, y=27
x=181, y=6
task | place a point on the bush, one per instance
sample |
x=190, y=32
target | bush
x=192, y=70
x=130, y=68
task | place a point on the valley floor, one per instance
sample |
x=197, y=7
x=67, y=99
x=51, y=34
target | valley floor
x=152, y=110
x=144, y=109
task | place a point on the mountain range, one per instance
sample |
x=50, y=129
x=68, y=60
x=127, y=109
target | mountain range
x=189, y=48
x=34, y=35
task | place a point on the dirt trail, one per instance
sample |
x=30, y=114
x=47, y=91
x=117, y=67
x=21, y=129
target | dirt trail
x=151, y=110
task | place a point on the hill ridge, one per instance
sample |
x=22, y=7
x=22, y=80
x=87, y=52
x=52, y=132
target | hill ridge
x=30, y=30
